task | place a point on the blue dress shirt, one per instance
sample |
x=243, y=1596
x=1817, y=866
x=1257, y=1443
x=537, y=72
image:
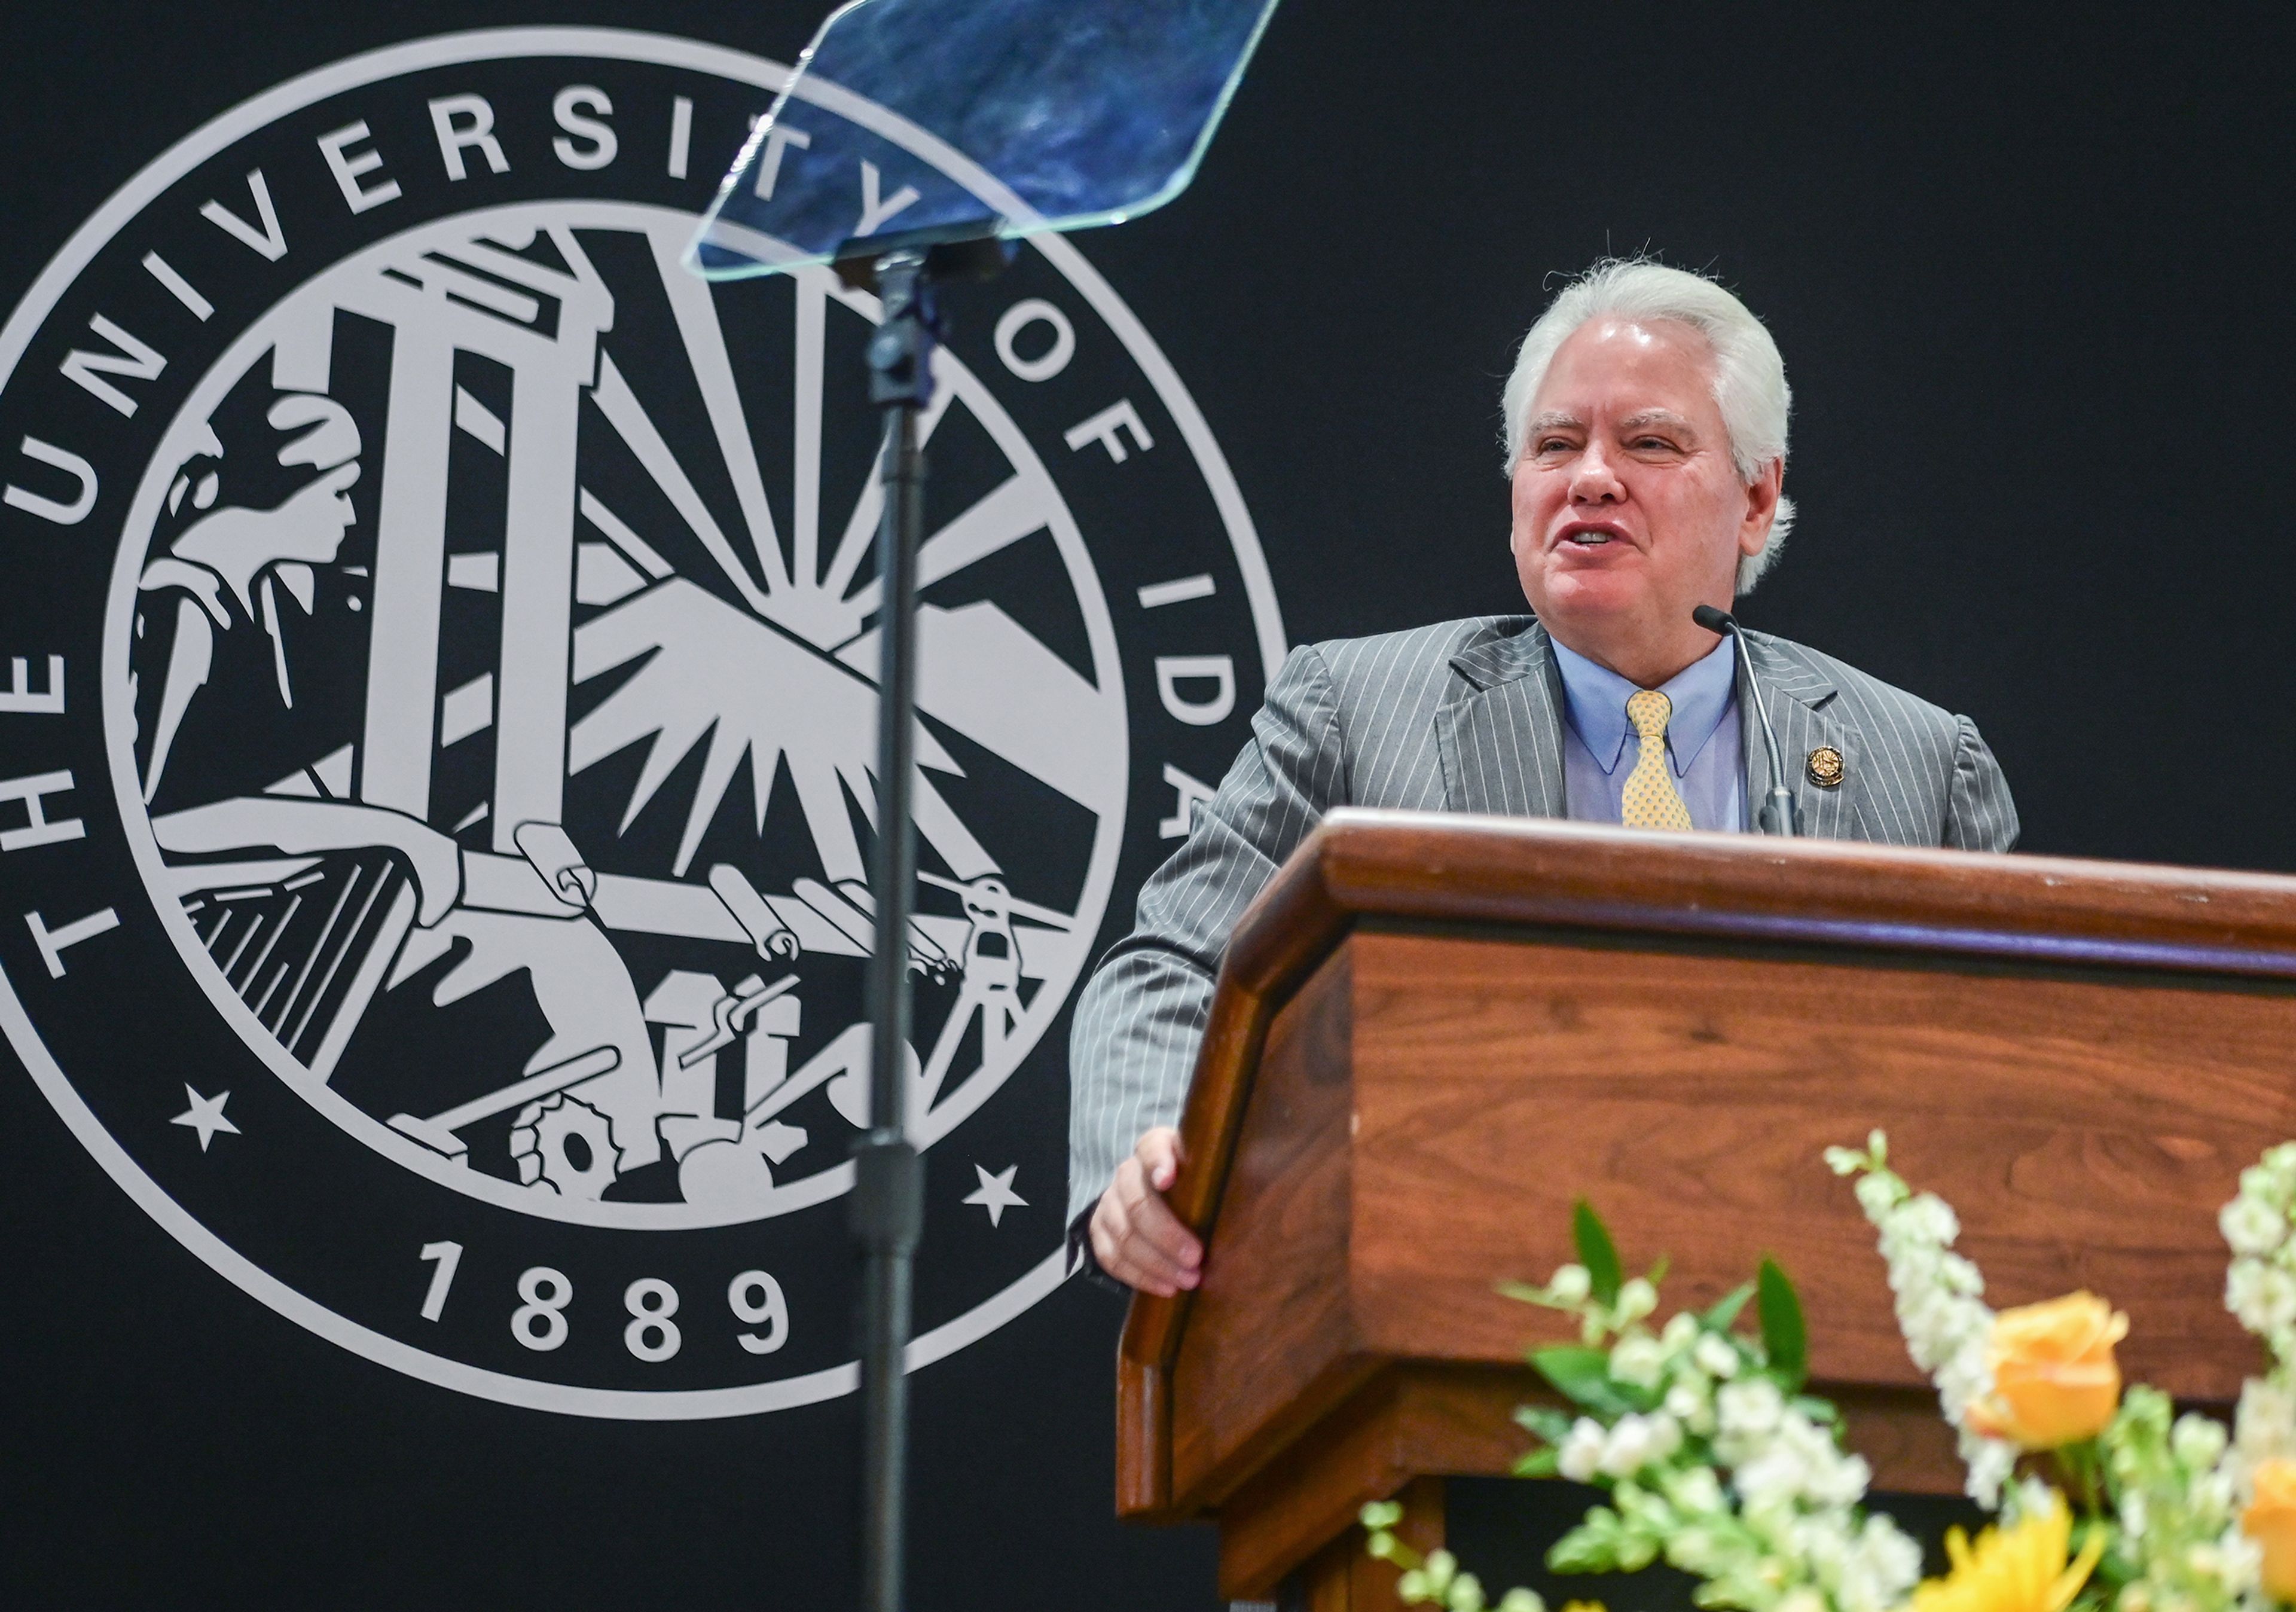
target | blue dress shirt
x=1703, y=745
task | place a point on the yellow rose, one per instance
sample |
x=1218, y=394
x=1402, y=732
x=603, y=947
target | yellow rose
x=2270, y=1520
x=2054, y=1379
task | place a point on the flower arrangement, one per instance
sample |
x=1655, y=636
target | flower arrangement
x=1716, y=1461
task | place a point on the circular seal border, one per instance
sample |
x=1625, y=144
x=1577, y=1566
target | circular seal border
x=63, y=269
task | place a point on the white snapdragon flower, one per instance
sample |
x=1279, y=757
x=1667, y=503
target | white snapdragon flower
x=2244, y=1293
x=1960, y=1277
x=1990, y=1461
x=1627, y=1449
x=2240, y=1562
x=1783, y=1458
x=1638, y=1442
x=1891, y=1556
x=1581, y=1455
x=2198, y=1441
x=2028, y=1496
x=1749, y=1408
x=1934, y=1324
x=1570, y=1284
x=1841, y=1481
x=1877, y=1194
x=1882, y=1567
x=2274, y=1301
x=1680, y=1332
x=1636, y=1299
x=1929, y=1218
x=1821, y=1541
x=1638, y=1359
x=1690, y=1402
x=2214, y=1491
x=1714, y=1356
x=2251, y=1226
x=1940, y=1304
x=1773, y=1478
x=2272, y=1176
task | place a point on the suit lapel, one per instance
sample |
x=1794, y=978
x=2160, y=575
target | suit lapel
x=1801, y=703
x=1501, y=734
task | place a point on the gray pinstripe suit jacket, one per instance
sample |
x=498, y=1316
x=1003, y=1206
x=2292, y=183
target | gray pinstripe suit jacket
x=1462, y=716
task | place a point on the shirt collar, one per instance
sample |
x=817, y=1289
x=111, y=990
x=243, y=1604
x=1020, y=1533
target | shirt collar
x=1595, y=700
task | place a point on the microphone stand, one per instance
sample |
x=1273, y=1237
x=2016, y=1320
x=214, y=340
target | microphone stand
x=887, y=1207
x=888, y=1201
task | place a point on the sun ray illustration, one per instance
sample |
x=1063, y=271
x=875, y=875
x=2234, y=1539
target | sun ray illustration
x=629, y=417
x=713, y=673
x=696, y=313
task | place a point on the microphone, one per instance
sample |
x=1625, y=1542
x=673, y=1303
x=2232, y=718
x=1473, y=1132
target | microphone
x=1778, y=815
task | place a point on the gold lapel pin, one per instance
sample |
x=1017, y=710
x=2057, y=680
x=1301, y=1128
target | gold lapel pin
x=1826, y=767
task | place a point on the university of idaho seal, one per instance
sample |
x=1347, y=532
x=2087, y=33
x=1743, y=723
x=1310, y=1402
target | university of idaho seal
x=437, y=725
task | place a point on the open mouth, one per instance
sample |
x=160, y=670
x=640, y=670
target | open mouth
x=1590, y=537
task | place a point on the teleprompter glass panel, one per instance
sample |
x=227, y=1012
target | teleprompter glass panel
x=935, y=120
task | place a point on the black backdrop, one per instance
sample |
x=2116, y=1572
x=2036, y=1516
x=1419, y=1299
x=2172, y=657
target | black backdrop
x=2030, y=279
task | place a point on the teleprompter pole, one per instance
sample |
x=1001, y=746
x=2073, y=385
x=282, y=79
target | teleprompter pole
x=888, y=1178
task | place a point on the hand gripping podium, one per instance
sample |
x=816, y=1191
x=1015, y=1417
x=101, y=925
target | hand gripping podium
x=1433, y=1032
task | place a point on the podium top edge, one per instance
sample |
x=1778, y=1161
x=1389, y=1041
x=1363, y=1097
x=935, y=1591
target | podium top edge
x=1536, y=873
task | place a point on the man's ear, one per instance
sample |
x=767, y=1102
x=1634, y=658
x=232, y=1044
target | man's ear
x=1761, y=507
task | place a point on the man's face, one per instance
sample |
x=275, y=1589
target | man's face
x=1628, y=512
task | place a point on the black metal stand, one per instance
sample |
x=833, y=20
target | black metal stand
x=888, y=1200
x=889, y=1177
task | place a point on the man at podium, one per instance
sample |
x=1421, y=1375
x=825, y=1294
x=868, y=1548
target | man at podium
x=1646, y=436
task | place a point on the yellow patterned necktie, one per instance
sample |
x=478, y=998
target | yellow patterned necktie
x=1651, y=800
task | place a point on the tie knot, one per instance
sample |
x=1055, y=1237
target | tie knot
x=1649, y=710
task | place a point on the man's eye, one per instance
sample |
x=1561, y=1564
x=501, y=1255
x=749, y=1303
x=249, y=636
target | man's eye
x=1553, y=444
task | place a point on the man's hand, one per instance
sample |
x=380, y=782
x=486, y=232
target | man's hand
x=1135, y=1235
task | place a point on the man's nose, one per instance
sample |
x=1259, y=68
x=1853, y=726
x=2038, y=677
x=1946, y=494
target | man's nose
x=1592, y=480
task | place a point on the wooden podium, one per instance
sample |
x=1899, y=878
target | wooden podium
x=1432, y=1032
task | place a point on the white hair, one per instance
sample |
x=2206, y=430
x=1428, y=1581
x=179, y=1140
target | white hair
x=1750, y=376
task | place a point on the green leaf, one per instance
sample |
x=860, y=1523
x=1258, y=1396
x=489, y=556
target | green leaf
x=1725, y=1314
x=1785, y=1336
x=1822, y=1412
x=1596, y=1252
x=1549, y=1424
x=1582, y=1376
x=1544, y=1462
